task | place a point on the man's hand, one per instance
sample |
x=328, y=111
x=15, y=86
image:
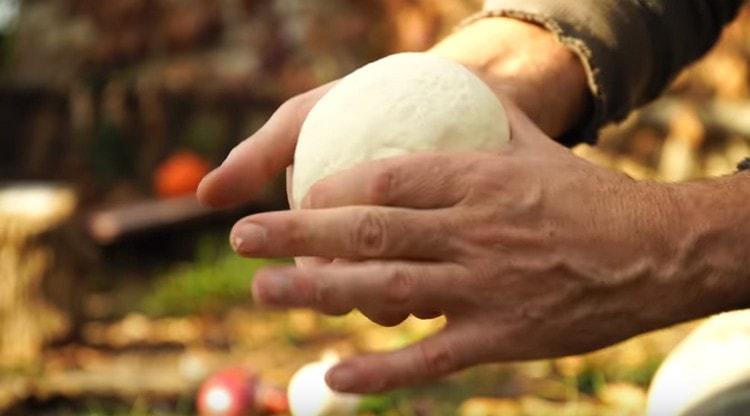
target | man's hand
x=517, y=60
x=530, y=253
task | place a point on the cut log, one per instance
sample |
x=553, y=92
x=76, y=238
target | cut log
x=109, y=225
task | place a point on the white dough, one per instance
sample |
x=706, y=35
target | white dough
x=404, y=103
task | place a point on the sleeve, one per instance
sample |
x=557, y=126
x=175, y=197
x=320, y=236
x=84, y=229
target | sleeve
x=631, y=49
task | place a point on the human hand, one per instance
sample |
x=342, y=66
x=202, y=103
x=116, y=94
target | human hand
x=535, y=71
x=530, y=253
x=516, y=59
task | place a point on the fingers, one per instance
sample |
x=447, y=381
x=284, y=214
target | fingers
x=304, y=262
x=427, y=314
x=289, y=183
x=347, y=232
x=454, y=348
x=385, y=292
x=385, y=318
x=424, y=180
x=301, y=262
x=525, y=133
x=258, y=159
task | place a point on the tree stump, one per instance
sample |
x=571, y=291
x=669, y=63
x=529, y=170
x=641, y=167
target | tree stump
x=29, y=216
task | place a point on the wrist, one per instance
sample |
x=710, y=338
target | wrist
x=527, y=64
x=713, y=250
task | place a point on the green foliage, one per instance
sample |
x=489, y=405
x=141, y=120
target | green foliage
x=216, y=279
x=442, y=397
x=376, y=404
x=590, y=381
x=640, y=375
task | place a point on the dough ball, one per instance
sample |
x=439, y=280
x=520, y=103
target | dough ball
x=401, y=104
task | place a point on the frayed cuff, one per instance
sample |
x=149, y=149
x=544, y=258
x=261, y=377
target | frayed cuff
x=587, y=130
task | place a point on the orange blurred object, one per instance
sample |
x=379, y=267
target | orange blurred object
x=180, y=174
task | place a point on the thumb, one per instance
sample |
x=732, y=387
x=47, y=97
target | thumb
x=524, y=133
x=259, y=158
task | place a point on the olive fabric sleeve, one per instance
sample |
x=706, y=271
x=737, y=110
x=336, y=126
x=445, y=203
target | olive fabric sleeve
x=631, y=48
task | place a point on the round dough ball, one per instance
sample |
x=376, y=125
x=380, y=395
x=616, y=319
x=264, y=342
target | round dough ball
x=404, y=103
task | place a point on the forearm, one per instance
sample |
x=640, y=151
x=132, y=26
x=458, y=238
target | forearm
x=526, y=63
x=713, y=254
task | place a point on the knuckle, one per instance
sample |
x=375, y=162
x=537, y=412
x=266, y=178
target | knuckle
x=479, y=186
x=475, y=232
x=286, y=109
x=399, y=287
x=493, y=169
x=236, y=150
x=317, y=195
x=482, y=182
x=325, y=293
x=505, y=170
x=381, y=187
x=292, y=104
x=294, y=107
x=369, y=237
x=327, y=300
x=437, y=359
x=296, y=233
x=446, y=230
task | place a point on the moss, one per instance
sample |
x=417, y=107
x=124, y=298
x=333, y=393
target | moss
x=216, y=279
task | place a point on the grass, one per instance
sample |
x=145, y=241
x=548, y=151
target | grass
x=216, y=279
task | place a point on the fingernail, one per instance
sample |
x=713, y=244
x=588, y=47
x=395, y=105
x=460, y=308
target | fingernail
x=342, y=378
x=278, y=288
x=248, y=238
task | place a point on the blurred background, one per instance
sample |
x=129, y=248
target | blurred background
x=119, y=294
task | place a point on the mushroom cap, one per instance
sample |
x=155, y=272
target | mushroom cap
x=309, y=395
x=28, y=209
x=714, y=357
